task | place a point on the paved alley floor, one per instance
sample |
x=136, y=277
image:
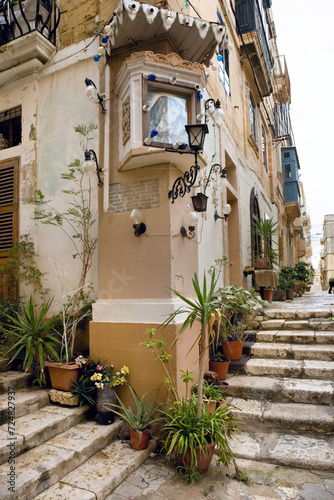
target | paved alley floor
x=159, y=480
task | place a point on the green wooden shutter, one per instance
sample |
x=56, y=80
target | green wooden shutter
x=8, y=221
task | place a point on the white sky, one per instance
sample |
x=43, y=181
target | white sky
x=304, y=31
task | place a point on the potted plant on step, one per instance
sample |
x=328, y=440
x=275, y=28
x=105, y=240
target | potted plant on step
x=213, y=395
x=239, y=309
x=34, y=336
x=106, y=383
x=140, y=419
x=267, y=256
x=192, y=440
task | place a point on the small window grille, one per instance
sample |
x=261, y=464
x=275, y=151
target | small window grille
x=11, y=127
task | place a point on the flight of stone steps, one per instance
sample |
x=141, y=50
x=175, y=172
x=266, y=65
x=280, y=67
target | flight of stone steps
x=284, y=399
x=49, y=451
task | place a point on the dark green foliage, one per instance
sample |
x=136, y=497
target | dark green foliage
x=34, y=336
x=183, y=430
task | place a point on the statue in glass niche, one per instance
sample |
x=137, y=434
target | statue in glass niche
x=168, y=116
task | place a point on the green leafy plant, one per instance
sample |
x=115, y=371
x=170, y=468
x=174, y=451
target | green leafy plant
x=35, y=335
x=239, y=307
x=203, y=309
x=20, y=268
x=184, y=432
x=145, y=412
x=211, y=392
x=76, y=222
x=266, y=229
x=286, y=278
x=304, y=272
x=85, y=390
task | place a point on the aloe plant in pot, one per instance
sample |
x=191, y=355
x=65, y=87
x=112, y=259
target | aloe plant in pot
x=139, y=419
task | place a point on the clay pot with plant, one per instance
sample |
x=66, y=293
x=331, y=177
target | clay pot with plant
x=266, y=230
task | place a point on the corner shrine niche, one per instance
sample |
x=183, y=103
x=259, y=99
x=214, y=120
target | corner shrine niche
x=157, y=96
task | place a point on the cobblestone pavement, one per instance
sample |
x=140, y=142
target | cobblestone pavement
x=159, y=480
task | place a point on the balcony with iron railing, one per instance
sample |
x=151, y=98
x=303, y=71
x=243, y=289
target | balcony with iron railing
x=28, y=31
x=20, y=17
x=253, y=29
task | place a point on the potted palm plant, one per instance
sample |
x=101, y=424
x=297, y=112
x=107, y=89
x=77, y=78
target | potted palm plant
x=140, y=419
x=35, y=336
x=267, y=256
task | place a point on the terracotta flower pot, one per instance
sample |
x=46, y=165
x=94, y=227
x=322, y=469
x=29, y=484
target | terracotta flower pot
x=139, y=439
x=203, y=459
x=268, y=295
x=219, y=367
x=262, y=263
x=232, y=349
x=62, y=376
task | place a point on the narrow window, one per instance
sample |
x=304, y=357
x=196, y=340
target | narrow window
x=252, y=117
x=264, y=148
x=10, y=128
x=287, y=171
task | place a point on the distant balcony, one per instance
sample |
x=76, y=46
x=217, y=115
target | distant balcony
x=301, y=247
x=281, y=81
x=20, y=17
x=254, y=29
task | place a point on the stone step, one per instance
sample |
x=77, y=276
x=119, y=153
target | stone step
x=100, y=475
x=265, y=416
x=305, y=452
x=310, y=324
x=294, y=314
x=33, y=429
x=14, y=380
x=285, y=390
x=288, y=483
x=311, y=369
x=43, y=466
x=26, y=401
x=295, y=337
x=324, y=352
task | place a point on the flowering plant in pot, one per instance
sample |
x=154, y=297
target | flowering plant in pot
x=139, y=419
x=105, y=382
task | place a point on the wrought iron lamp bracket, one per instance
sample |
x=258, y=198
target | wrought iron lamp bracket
x=214, y=169
x=183, y=185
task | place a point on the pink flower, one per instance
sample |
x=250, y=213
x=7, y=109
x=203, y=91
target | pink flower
x=111, y=366
x=99, y=368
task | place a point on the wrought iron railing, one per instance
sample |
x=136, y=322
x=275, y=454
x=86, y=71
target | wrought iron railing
x=19, y=17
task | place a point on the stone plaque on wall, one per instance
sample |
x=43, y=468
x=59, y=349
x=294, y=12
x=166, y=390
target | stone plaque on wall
x=137, y=194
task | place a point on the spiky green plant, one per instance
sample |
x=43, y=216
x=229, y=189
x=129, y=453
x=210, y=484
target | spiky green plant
x=35, y=334
x=205, y=309
x=143, y=415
